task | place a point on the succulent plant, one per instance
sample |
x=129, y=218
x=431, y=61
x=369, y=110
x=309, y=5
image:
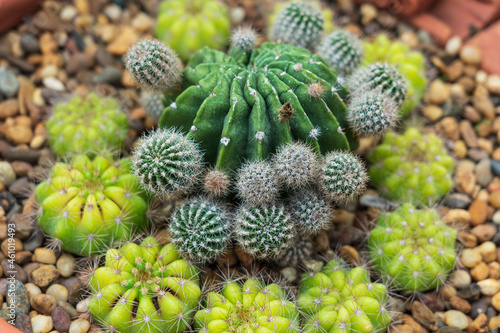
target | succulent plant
x=244, y=38
x=144, y=288
x=86, y=205
x=201, y=229
x=249, y=307
x=413, y=250
x=342, y=50
x=87, y=125
x=338, y=299
x=372, y=113
x=411, y=64
x=167, y=162
x=152, y=101
x=189, y=25
x=217, y=183
x=301, y=249
x=257, y=183
x=310, y=211
x=412, y=167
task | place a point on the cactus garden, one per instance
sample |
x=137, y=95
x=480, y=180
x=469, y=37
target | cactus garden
x=248, y=166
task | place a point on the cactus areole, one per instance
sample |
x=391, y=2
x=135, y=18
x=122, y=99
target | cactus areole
x=244, y=105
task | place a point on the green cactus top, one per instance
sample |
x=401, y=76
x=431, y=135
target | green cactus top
x=245, y=105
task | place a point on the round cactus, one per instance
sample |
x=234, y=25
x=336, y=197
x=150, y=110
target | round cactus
x=344, y=176
x=217, y=183
x=201, y=229
x=257, y=183
x=301, y=249
x=411, y=64
x=152, y=101
x=144, y=288
x=167, y=162
x=412, y=167
x=154, y=65
x=380, y=77
x=372, y=113
x=338, y=299
x=412, y=249
x=86, y=205
x=248, y=307
x=189, y=25
x=310, y=212
x=87, y=125
x=244, y=38
x=342, y=50
x=264, y=231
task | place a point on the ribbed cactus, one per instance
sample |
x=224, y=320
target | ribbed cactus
x=342, y=50
x=167, y=162
x=372, y=113
x=144, y=288
x=86, y=205
x=152, y=101
x=201, y=229
x=257, y=183
x=338, y=299
x=251, y=306
x=412, y=249
x=301, y=249
x=154, y=65
x=86, y=125
x=189, y=25
x=412, y=167
x=310, y=211
x=263, y=231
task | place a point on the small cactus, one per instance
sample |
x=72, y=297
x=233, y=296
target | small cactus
x=257, y=183
x=338, y=299
x=201, y=229
x=342, y=50
x=152, y=101
x=310, y=211
x=301, y=249
x=167, y=162
x=244, y=38
x=154, y=65
x=264, y=231
x=86, y=205
x=217, y=183
x=144, y=288
x=412, y=167
x=372, y=113
x=412, y=249
x=86, y=125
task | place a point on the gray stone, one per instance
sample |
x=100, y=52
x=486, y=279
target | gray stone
x=458, y=201
x=21, y=301
x=8, y=82
x=7, y=174
x=483, y=172
x=109, y=75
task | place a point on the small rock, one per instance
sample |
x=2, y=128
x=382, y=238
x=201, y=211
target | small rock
x=8, y=82
x=43, y=303
x=489, y=287
x=432, y=112
x=495, y=167
x=109, y=75
x=470, y=258
x=493, y=84
x=456, y=319
x=79, y=326
x=468, y=134
x=7, y=174
x=439, y=92
x=495, y=301
x=424, y=316
x=42, y=324
x=44, y=275
x=104, y=58
x=123, y=41
x=478, y=212
x=471, y=55
x=458, y=200
x=61, y=319
x=483, y=172
x=460, y=304
x=484, y=232
x=480, y=272
x=488, y=251
x=9, y=108
x=59, y=292
x=18, y=272
x=68, y=13
x=480, y=324
x=66, y=265
x=53, y=83
x=470, y=292
x=142, y=22
x=477, y=308
x=20, y=188
x=113, y=12
x=16, y=294
x=44, y=256
x=453, y=45
x=375, y=201
x=23, y=323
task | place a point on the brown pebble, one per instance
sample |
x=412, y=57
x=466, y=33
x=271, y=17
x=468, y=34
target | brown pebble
x=9, y=108
x=416, y=327
x=424, y=316
x=403, y=329
x=44, y=275
x=468, y=134
x=480, y=324
x=459, y=304
x=43, y=303
x=449, y=127
x=478, y=212
x=448, y=291
x=467, y=239
x=480, y=272
x=21, y=168
x=494, y=199
x=484, y=232
x=494, y=269
x=19, y=134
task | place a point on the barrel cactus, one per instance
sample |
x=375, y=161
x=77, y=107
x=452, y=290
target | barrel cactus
x=189, y=25
x=372, y=113
x=152, y=101
x=86, y=205
x=412, y=167
x=342, y=50
x=413, y=250
x=310, y=210
x=338, y=299
x=87, y=125
x=144, y=288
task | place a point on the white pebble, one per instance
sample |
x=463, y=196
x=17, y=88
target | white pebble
x=113, y=12
x=489, y=287
x=453, y=45
x=471, y=258
x=68, y=13
x=42, y=324
x=32, y=290
x=59, y=292
x=79, y=326
x=7, y=174
x=66, y=265
x=456, y=319
x=460, y=278
x=53, y=83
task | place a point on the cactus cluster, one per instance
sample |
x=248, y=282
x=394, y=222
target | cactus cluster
x=86, y=125
x=412, y=167
x=342, y=50
x=413, y=250
x=86, y=205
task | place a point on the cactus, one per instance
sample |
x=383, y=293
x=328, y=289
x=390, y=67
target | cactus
x=412, y=249
x=144, y=288
x=86, y=205
x=257, y=183
x=152, y=101
x=310, y=211
x=189, y=25
x=154, y=65
x=251, y=306
x=411, y=64
x=244, y=38
x=87, y=125
x=380, y=77
x=342, y=50
x=344, y=176
x=338, y=299
x=263, y=231
x=372, y=113
x=201, y=229
x=167, y=162
x=412, y=167
x=217, y=183
x=301, y=249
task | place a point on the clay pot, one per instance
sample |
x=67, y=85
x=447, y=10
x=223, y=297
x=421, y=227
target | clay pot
x=4, y=326
x=13, y=11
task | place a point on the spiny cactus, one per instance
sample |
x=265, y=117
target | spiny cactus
x=87, y=124
x=189, y=25
x=263, y=231
x=342, y=50
x=217, y=183
x=167, y=162
x=310, y=211
x=411, y=64
x=412, y=167
x=257, y=183
x=344, y=176
x=144, y=288
x=154, y=65
x=244, y=38
x=338, y=299
x=301, y=249
x=152, y=101
x=412, y=249
x=86, y=205
x=251, y=306
x=299, y=23
x=201, y=229
x=372, y=113
x=380, y=77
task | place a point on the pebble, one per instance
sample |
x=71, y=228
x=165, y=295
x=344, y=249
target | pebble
x=471, y=55
x=68, y=13
x=495, y=301
x=480, y=272
x=123, y=41
x=33, y=290
x=61, y=319
x=59, y=292
x=478, y=212
x=484, y=175
x=456, y=319
x=424, y=316
x=8, y=82
x=484, y=232
x=465, y=178
x=44, y=275
x=23, y=323
x=457, y=200
x=432, y=112
x=79, y=326
x=7, y=174
x=478, y=307
x=460, y=304
x=113, y=12
x=470, y=292
x=488, y=251
x=439, y=92
x=53, y=83
x=21, y=300
x=44, y=256
x=109, y=75
x=453, y=45
x=470, y=258
x=142, y=22
x=468, y=134
x=66, y=265
x=43, y=303
x=42, y=324
x=9, y=108
x=489, y=287
x=493, y=84
x=495, y=167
